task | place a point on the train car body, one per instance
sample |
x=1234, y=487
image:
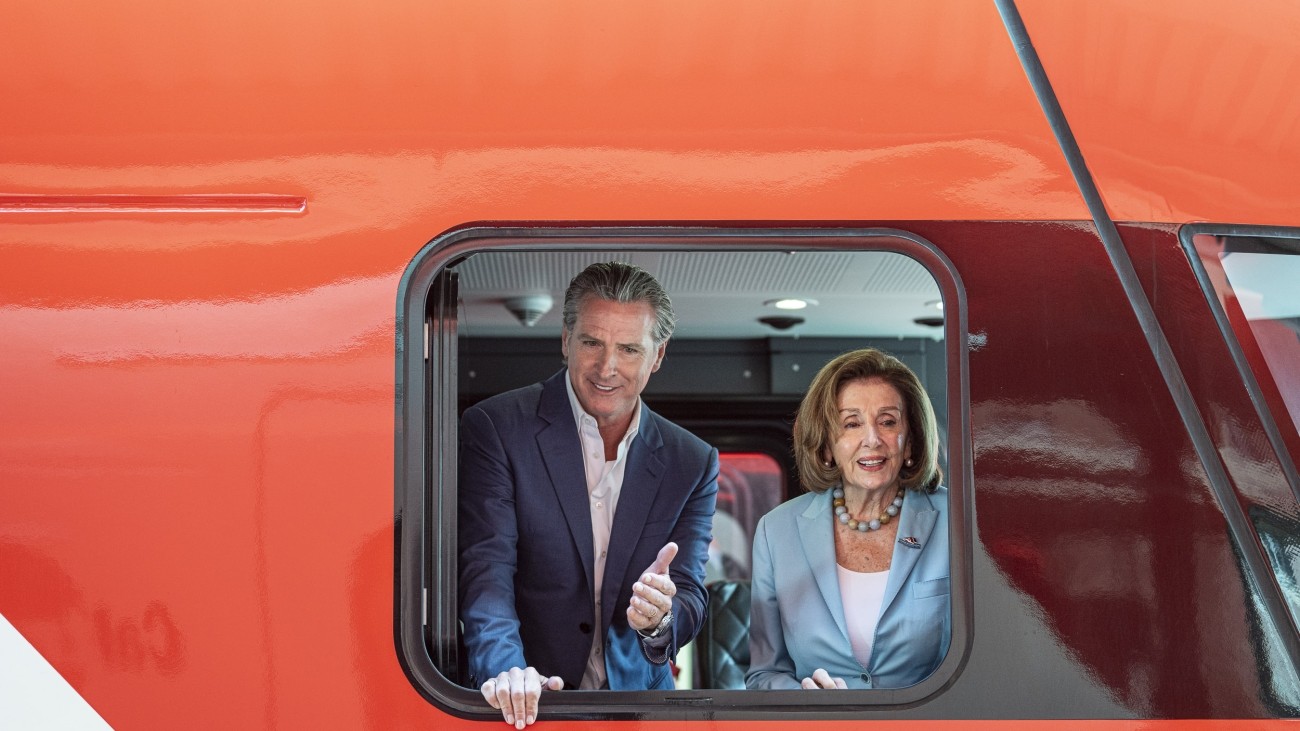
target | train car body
x=233, y=351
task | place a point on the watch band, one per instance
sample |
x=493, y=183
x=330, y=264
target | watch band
x=659, y=628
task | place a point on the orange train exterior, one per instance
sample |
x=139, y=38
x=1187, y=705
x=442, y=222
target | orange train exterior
x=206, y=214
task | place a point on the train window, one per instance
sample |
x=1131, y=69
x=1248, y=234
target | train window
x=1254, y=280
x=1251, y=274
x=479, y=314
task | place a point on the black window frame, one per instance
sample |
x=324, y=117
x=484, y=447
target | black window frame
x=425, y=471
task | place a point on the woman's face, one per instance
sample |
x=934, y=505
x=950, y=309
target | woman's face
x=871, y=436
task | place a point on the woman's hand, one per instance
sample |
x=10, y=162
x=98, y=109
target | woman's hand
x=822, y=679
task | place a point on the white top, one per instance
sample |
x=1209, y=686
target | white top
x=604, y=483
x=862, y=594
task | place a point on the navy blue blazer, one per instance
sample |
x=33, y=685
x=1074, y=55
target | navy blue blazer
x=526, y=555
x=797, y=615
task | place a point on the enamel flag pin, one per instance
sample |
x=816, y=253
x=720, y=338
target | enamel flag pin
x=910, y=541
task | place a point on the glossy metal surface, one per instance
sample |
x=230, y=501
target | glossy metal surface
x=196, y=448
x=1185, y=110
x=1090, y=501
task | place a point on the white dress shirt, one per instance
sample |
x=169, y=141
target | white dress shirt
x=604, y=483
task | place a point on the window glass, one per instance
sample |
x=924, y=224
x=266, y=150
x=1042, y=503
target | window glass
x=1280, y=537
x=1267, y=288
x=1255, y=280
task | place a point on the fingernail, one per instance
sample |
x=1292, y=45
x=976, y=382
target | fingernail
x=646, y=578
x=637, y=587
x=530, y=720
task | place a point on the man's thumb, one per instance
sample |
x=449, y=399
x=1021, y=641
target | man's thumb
x=665, y=557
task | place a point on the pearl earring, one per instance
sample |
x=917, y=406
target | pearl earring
x=909, y=462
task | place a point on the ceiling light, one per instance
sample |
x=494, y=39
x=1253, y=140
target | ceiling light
x=529, y=308
x=789, y=303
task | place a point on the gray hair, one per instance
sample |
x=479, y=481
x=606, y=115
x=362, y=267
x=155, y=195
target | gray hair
x=617, y=281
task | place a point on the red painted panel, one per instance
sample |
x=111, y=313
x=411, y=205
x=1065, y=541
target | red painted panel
x=575, y=110
x=1185, y=111
x=196, y=442
x=177, y=369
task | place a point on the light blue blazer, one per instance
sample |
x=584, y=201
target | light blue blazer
x=797, y=616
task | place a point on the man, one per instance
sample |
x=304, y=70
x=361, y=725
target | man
x=584, y=516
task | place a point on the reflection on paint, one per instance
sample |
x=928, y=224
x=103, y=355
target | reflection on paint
x=1070, y=435
x=323, y=321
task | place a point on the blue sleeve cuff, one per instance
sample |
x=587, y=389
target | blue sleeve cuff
x=656, y=648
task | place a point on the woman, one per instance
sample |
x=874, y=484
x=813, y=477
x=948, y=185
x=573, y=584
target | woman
x=850, y=585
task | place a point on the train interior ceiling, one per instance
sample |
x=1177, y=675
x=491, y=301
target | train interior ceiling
x=733, y=373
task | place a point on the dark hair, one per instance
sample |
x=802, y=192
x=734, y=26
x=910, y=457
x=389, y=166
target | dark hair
x=815, y=426
x=617, y=281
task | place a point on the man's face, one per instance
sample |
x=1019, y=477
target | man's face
x=611, y=356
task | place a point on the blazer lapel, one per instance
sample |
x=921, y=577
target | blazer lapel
x=817, y=534
x=915, y=524
x=641, y=480
x=562, y=455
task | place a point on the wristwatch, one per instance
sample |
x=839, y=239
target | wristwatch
x=659, y=628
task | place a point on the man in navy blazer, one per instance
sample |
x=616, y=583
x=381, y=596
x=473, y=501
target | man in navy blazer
x=584, y=517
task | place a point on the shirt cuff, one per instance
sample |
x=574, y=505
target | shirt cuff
x=656, y=648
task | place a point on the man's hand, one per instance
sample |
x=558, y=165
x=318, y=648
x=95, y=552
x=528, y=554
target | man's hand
x=652, y=596
x=822, y=679
x=516, y=692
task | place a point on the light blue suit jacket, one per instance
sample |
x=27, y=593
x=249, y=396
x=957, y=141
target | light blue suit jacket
x=797, y=617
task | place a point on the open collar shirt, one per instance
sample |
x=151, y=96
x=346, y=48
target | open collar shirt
x=604, y=483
